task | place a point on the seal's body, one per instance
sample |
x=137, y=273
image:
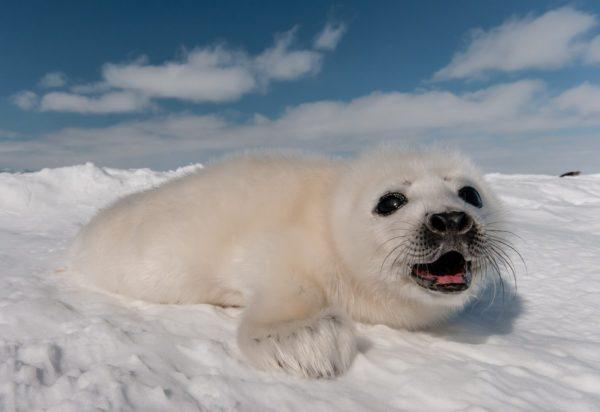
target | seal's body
x=304, y=243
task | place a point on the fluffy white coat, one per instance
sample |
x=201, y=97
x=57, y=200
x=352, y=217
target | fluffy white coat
x=293, y=239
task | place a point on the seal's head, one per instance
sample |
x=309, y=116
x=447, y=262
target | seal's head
x=422, y=226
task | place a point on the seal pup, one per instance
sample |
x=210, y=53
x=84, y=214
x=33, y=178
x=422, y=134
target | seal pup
x=307, y=245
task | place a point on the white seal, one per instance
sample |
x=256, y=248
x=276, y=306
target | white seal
x=306, y=245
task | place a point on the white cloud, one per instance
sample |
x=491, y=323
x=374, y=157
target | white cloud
x=388, y=114
x=205, y=74
x=8, y=134
x=281, y=63
x=25, y=100
x=209, y=74
x=90, y=88
x=112, y=102
x=489, y=120
x=330, y=36
x=592, y=54
x=53, y=79
x=549, y=41
x=216, y=74
x=584, y=99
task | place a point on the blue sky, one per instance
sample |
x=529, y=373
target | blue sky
x=161, y=84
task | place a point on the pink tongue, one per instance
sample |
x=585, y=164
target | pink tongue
x=446, y=279
x=443, y=279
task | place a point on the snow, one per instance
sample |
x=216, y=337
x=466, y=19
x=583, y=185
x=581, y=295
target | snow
x=67, y=349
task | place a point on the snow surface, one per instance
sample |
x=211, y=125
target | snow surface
x=69, y=349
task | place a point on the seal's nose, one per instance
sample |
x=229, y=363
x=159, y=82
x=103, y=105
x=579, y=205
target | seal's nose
x=450, y=223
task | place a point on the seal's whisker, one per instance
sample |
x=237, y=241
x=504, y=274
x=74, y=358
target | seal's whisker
x=388, y=241
x=507, y=232
x=391, y=252
x=505, y=261
x=496, y=256
x=498, y=272
x=494, y=290
x=508, y=245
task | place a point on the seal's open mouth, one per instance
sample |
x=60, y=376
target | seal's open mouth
x=450, y=273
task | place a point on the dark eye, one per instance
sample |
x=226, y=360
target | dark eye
x=389, y=203
x=470, y=195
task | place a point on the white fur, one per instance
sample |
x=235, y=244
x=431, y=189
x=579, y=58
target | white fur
x=292, y=238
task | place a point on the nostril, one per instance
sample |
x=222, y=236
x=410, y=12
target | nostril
x=458, y=221
x=438, y=222
x=464, y=222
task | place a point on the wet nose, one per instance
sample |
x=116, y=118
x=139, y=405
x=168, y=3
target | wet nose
x=450, y=223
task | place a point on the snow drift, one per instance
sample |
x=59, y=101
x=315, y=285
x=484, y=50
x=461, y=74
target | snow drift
x=64, y=348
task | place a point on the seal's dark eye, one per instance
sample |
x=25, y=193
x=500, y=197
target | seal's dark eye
x=389, y=203
x=470, y=195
